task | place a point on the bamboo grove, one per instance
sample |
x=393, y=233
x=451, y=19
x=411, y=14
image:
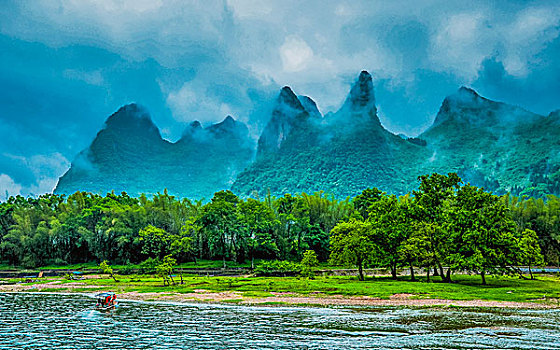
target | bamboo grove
x=445, y=226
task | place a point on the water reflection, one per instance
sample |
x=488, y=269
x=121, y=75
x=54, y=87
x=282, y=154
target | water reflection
x=32, y=321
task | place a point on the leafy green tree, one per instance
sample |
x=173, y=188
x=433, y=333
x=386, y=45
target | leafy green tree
x=183, y=245
x=323, y=213
x=416, y=250
x=292, y=213
x=541, y=216
x=530, y=250
x=482, y=231
x=366, y=199
x=156, y=242
x=432, y=201
x=219, y=219
x=352, y=243
x=257, y=219
x=6, y=218
x=105, y=268
x=308, y=263
x=392, y=225
x=326, y=211
x=165, y=269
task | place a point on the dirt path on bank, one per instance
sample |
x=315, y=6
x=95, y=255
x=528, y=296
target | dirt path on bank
x=277, y=299
x=280, y=299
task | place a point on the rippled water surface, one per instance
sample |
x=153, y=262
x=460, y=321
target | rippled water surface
x=32, y=321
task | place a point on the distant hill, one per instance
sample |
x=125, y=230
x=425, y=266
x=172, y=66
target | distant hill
x=491, y=144
x=341, y=153
x=501, y=147
x=129, y=155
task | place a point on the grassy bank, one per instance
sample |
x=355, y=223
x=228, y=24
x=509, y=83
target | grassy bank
x=545, y=290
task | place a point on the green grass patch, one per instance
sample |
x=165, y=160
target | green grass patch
x=232, y=301
x=465, y=287
x=51, y=290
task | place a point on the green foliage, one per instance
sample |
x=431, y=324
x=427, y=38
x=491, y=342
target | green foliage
x=431, y=207
x=353, y=243
x=105, y=268
x=257, y=221
x=156, y=241
x=392, y=223
x=365, y=200
x=530, y=250
x=541, y=216
x=308, y=263
x=275, y=267
x=443, y=225
x=165, y=269
x=149, y=265
x=483, y=233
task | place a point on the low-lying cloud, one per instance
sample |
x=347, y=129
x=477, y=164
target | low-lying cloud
x=66, y=65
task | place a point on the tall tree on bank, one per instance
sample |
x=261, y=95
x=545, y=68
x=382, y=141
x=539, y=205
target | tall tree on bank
x=482, y=232
x=432, y=202
x=219, y=219
x=530, y=250
x=352, y=243
x=392, y=225
x=257, y=220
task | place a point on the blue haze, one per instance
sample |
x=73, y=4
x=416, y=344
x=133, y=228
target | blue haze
x=65, y=66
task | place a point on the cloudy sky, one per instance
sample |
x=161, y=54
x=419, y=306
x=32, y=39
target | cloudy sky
x=65, y=65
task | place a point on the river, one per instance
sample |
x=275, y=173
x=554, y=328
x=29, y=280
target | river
x=51, y=321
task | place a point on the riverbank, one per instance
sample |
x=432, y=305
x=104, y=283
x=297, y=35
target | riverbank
x=504, y=292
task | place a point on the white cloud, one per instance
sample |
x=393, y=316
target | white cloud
x=190, y=103
x=46, y=169
x=296, y=54
x=8, y=186
x=135, y=29
x=303, y=44
x=464, y=40
x=461, y=43
x=339, y=37
x=527, y=35
x=221, y=57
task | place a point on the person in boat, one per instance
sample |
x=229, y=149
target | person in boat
x=106, y=300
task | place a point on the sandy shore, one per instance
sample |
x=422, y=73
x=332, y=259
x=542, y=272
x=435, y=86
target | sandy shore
x=324, y=300
x=279, y=299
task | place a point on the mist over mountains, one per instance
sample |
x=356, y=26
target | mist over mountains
x=500, y=147
x=130, y=155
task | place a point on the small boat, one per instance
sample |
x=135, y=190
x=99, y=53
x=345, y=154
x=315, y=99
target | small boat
x=106, y=301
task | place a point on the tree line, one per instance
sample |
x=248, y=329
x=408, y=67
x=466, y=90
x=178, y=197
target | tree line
x=444, y=225
x=86, y=227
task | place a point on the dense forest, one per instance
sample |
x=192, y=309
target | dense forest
x=444, y=225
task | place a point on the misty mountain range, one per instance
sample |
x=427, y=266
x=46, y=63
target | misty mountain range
x=500, y=147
